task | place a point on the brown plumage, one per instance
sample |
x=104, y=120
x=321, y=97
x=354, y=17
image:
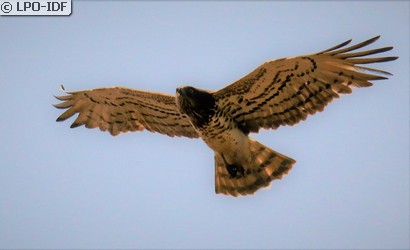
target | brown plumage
x=277, y=93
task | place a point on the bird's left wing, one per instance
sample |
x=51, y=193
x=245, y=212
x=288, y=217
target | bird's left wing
x=118, y=109
x=285, y=91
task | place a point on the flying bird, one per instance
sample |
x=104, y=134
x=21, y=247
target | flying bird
x=277, y=93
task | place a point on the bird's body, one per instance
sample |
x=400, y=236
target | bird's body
x=219, y=131
x=242, y=165
x=277, y=93
x=229, y=141
x=223, y=137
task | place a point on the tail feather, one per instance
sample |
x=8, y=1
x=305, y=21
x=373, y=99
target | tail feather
x=266, y=165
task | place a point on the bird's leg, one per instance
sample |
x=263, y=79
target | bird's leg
x=233, y=169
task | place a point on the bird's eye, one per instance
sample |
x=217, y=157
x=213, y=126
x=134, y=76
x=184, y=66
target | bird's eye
x=191, y=91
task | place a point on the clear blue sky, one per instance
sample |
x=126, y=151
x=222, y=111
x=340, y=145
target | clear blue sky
x=82, y=188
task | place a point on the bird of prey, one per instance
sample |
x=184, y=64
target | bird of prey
x=277, y=93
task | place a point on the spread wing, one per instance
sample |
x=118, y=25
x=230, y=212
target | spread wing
x=285, y=91
x=120, y=109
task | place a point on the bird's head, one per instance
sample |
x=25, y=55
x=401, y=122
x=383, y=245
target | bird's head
x=197, y=104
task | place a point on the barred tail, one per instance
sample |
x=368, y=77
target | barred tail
x=266, y=165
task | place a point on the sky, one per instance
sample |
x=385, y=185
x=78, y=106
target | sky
x=83, y=188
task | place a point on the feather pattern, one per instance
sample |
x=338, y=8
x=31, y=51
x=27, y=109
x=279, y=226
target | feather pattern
x=121, y=110
x=287, y=90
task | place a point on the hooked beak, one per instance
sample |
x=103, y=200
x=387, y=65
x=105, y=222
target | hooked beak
x=181, y=91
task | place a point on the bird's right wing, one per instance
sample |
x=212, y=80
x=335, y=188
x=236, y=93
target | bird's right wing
x=120, y=110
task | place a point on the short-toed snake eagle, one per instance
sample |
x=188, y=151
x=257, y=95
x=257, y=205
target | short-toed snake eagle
x=277, y=93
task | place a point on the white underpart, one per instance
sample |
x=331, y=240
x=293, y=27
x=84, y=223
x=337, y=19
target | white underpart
x=233, y=144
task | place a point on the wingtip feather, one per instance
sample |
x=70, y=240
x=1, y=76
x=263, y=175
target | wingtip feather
x=60, y=119
x=75, y=125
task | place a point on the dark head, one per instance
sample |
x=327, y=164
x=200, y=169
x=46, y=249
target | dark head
x=198, y=105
